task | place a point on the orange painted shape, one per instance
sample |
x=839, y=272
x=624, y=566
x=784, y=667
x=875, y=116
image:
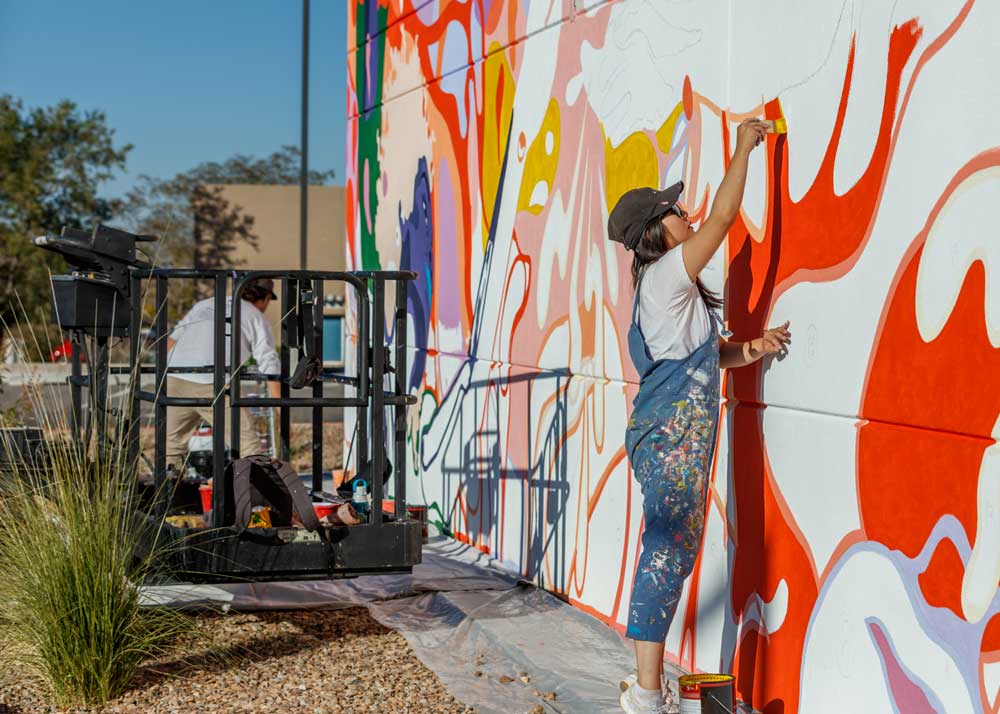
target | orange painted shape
x=951, y=383
x=991, y=636
x=941, y=582
x=688, y=98
x=909, y=478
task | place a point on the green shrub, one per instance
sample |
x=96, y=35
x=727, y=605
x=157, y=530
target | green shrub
x=69, y=572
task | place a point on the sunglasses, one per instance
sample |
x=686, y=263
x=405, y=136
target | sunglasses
x=677, y=211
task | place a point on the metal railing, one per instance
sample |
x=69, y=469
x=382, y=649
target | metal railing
x=371, y=367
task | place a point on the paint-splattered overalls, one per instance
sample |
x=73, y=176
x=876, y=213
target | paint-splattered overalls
x=670, y=441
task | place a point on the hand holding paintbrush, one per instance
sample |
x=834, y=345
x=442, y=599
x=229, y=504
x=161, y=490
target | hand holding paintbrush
x=776, y=126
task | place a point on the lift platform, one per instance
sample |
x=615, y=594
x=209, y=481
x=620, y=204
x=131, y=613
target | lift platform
x=102, y=296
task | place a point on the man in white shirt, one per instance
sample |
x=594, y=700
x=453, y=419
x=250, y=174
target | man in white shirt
x=191, y=345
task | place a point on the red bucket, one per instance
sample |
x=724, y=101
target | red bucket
x=206, y=497
x=325, y=509
x=419, y=513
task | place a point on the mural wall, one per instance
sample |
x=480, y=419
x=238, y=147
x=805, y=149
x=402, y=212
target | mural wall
x=851, y=555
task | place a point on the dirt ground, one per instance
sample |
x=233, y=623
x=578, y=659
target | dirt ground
x=315, y=662
x=333, y=446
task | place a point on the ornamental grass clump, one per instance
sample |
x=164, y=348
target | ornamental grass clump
x=70, y=569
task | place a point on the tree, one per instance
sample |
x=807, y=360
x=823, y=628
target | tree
x=54, y=160
x=196, y=224
x=280, y=168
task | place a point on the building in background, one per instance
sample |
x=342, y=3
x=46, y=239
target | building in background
x=275, y=210
x=850, y=558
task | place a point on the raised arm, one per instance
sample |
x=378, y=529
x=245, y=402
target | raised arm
x=700, y=248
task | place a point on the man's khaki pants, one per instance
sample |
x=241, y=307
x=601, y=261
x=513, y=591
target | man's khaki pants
x=182, y=421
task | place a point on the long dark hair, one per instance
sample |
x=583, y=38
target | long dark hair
x=653, y=246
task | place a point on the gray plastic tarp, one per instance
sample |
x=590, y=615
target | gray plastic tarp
x=470, y=621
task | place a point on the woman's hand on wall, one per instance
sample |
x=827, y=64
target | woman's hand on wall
x=773, y=341
x=739, y=354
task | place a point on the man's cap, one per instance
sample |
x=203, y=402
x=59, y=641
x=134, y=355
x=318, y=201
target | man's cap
x=638, y=207
x=265, y=284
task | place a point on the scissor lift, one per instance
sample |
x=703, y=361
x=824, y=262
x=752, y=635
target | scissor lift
x=113, y=277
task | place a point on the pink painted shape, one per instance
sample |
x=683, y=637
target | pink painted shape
x=366, y=200
x=908, y=696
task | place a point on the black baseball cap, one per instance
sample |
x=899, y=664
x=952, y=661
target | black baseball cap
x=638, y=207
x=264, y=284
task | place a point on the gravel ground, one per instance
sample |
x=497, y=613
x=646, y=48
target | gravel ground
x=314, y=662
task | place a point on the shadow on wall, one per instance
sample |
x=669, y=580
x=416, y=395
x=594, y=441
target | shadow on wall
x=480, y=486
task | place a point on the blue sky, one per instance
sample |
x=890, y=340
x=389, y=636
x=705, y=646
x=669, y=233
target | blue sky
x=183, y=81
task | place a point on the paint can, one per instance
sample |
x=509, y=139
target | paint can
x=707, y=694
x=419, y=513
x=205, y=491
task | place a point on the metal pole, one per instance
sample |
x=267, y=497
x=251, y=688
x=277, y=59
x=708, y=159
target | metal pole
x=285, y=422
x=316, y=335
x=219, y=505
x=159, y=408
x=364, y=376
x=76, y=344
x=378, y=404
x=304, y=177
x=99, y=375
x=235, y=322
x=135, y=373
x=399, y=417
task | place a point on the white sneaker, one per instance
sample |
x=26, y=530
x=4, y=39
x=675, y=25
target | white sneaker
x=634, y=677
x=668, y=691
x=631, y=704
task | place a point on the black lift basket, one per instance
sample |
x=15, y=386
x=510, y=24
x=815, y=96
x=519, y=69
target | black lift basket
x=389, y=541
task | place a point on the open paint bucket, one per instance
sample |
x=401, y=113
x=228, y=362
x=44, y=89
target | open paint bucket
x=419, y=513
x=707, y=694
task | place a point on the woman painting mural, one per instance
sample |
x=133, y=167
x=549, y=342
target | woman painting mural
x=670, y=440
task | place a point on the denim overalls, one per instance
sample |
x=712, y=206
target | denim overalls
x=670, y=441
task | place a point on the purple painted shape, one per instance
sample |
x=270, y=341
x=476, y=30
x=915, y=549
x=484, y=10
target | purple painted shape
x=371, y=18
x=449, y=312
x=455, y=56
x=417, y=231
x=907, y=695
x=369, y=90
x=428, y=12
x=476, y=35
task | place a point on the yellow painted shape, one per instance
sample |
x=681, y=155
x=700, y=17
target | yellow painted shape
x=665, y=134
x=498, y=106
x=540, y=164
x=631, y=165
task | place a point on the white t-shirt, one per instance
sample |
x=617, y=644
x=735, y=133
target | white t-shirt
x=194, y=338
x=672, y=313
